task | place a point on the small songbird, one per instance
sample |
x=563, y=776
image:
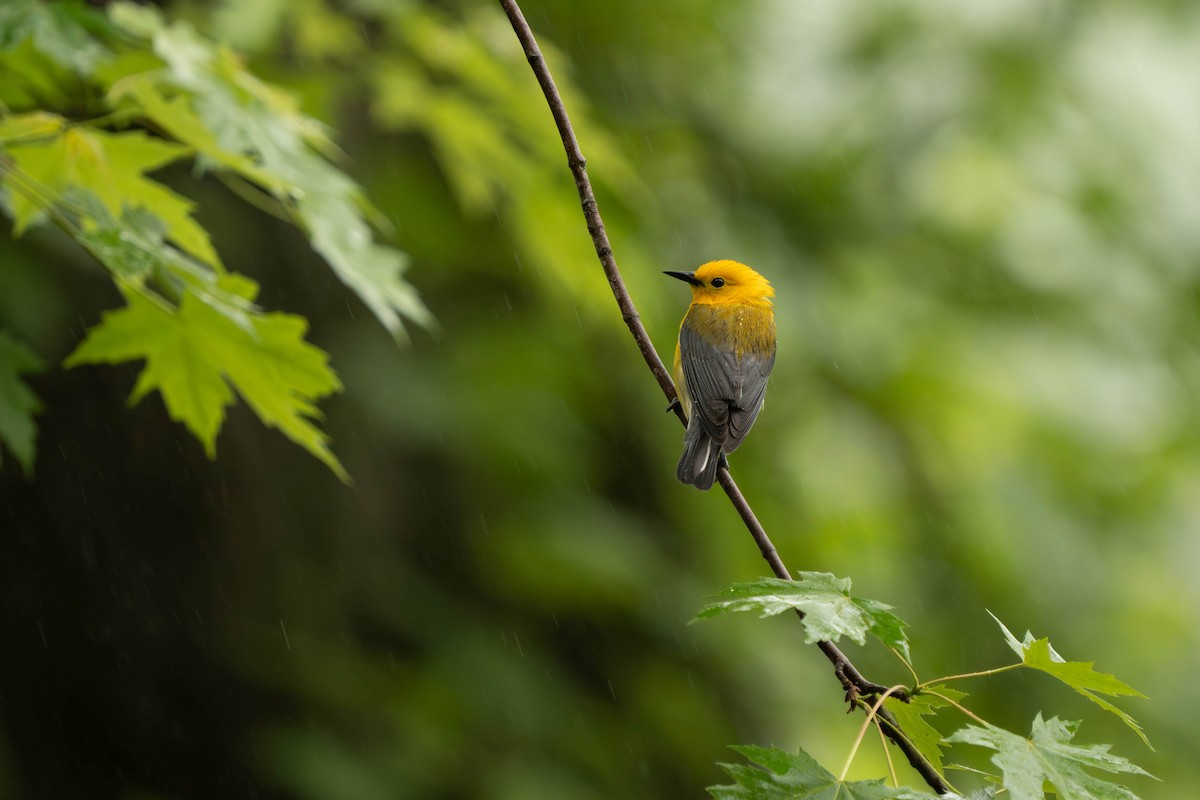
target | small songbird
x=725, y=352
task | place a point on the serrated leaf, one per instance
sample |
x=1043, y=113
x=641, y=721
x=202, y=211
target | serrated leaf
x=910, y=717
x=133, y=250
x=795, y=777
x=341, y=235
x=195, y=356
x=111, y=167
x=830, y=612
x=1048, y=756
x=176, y=116
x=1079, y=675
x=194, y=392
x=18, y=403
x=208, y=100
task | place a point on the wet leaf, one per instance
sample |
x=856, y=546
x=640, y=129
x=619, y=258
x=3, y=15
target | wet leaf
x=830, y=612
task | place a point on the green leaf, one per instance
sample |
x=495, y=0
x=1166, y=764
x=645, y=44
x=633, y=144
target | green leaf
x=792, y=777
x=911, y=718
x=829, y=610
x=1048, y=756
x=235, y=121
x=55, y=31
x=175, y=351
x=111, y=167
x=195, y=355
x=18, y=403
x=1079, y=675
x=340, y=234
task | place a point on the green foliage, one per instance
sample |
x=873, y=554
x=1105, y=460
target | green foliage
x=1080, y=676
x=197, y=328
x=55, y=30
x=830, y=612
x=18, y=403
x=796, y=777
x=463, y=83
x=1047, y=756
x=911, y=715
x=111, y=167
x=194, y=355
x=978, y=218
x=209, y=101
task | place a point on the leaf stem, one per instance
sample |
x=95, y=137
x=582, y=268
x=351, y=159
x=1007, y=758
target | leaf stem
x=907, y=666
x=959, y=706
x=980, y=674
x=887, y=753
x=862, y=731
x=119, y=115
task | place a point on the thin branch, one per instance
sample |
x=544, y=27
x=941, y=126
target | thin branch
x=853, y=682
x=591, y=211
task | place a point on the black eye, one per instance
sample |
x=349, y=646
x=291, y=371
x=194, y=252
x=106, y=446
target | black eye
x=717, y=283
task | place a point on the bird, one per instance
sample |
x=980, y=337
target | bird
x=723, y=357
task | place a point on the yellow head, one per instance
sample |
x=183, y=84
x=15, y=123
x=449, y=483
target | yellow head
x=727, y=282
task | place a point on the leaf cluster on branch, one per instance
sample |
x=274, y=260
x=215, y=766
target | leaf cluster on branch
x=90, y=105
x=1046, y=755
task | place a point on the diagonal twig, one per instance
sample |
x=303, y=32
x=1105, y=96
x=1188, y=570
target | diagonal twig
x=852, y=680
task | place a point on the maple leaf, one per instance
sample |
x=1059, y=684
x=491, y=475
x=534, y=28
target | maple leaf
x=910, y=716
x=111, y=167
x=207, y=99
x=829, y=610
x=196, y=356
x=1079, y=675
x=798, y=777
x=1048, y=756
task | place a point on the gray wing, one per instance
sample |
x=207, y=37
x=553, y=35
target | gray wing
x=726, y=392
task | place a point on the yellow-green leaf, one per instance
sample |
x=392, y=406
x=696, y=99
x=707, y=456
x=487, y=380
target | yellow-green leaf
x=112, y=167
x=911, y=718
x=1079, y=675
x=195, y=356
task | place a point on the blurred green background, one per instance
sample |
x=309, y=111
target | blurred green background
x=983, y=224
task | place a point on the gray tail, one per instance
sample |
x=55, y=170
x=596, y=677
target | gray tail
x=701, y=458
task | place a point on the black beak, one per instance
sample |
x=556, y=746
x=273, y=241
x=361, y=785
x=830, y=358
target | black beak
x=686, y=277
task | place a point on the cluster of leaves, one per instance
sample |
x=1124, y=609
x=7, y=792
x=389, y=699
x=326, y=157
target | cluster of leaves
x=1027, y=764
x=459, y=80
x=90, y=105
